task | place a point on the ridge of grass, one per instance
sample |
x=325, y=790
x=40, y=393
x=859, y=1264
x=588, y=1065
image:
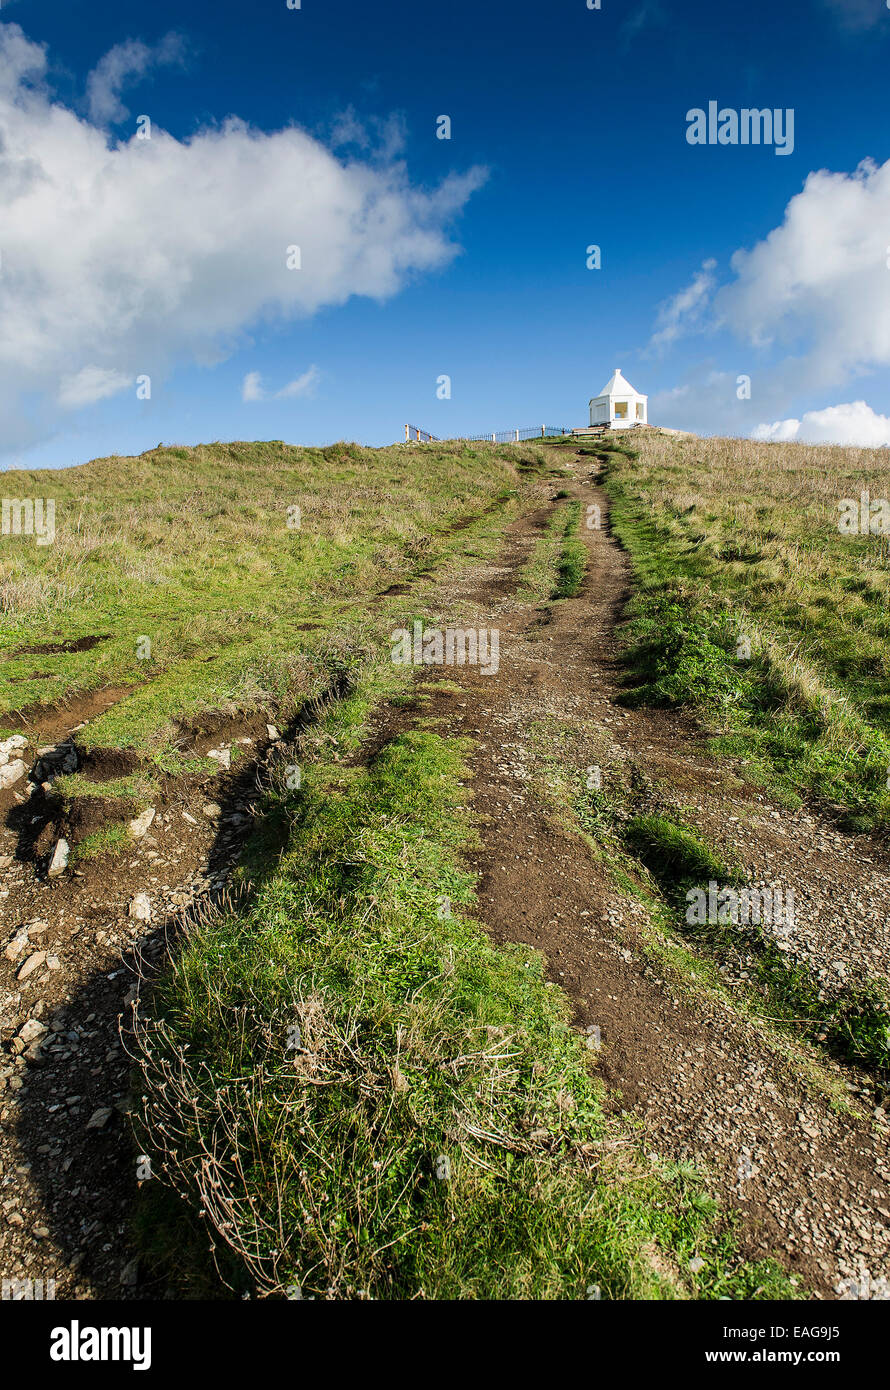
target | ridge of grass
x=598, y=816
x=654, y=856
x=420, y=1049
x=573, y=559
x=558, y=561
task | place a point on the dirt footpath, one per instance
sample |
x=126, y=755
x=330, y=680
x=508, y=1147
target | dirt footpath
x=812, y=1185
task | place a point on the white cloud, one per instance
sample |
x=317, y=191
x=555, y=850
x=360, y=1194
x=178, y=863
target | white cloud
x=130, y=257
x=853, y=423
x=121, y=65
x=252, y=388
x=706, y=403
x=91, y=384
x=809, y=307
x=780, y=430
x=302, y=385
x=383, y=137
x=685, y=310
x=819, y=284
x=649, y=15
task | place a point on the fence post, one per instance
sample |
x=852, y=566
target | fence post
x=543, y=429
x=406, y=434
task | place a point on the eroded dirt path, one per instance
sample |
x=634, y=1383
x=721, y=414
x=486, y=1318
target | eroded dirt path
x=810, y=1180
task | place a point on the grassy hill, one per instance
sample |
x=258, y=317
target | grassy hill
x=754, y=608
x=347, y=1091
x=229, y=578
x=203, y=577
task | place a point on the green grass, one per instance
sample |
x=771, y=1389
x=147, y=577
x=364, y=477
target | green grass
x=555, y=569
x=110, y=839
x=314, y=1054
x=189, y=566
x=753, y=610
x=573, y=559
x=206, y=599
x=419, y=1041
x=673, y=854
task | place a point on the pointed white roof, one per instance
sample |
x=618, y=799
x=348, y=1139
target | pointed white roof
x=617, y=385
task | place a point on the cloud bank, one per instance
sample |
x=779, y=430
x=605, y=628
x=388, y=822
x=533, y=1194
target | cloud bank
x=812, y=299
x=123, y=258
x=854, y=423
x=819, y=284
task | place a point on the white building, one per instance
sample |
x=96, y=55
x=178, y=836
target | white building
x=618, y=406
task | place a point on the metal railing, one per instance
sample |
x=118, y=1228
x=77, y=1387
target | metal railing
x=419, y=436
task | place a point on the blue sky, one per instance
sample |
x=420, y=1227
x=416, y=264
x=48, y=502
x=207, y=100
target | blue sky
x=424, y=257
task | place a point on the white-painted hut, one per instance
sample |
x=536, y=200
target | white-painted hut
x=618, y=406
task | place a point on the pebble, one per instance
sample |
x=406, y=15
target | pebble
x=17, y=944
x=32, y=1030
x=140, y=908
x=139, y=825
x=31, y=965
x=11, y=773
x=59, y=861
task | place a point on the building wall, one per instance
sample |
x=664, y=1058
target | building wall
x=602, y=411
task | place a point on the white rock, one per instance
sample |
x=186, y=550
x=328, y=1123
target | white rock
x=59, y=862
x=31, y=965
x=13, y=744
x=32, y=1030
x=17, y=944
x=140, y=908
x=11, y=773
x=139, y=825
x=221, y=755
x=273, y=732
